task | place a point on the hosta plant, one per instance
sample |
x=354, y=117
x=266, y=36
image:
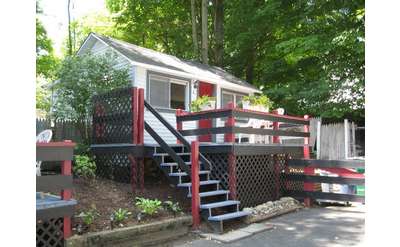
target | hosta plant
x=148, y=206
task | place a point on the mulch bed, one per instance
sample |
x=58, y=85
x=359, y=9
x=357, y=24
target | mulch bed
x=107, y=196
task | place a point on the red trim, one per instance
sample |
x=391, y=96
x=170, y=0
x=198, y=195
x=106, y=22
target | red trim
x=65, y=143
x=307, y=170
x=134, y=107
x=195, y=184
x=140, y=116
x=246, y=110
x=230, y=122
x=66, y=169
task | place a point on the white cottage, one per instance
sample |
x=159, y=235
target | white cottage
x=169, y=82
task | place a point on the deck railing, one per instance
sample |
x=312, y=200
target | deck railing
x=50, y=208
x=230, y=115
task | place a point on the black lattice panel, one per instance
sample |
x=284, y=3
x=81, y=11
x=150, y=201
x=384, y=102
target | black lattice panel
x=112, y=117
x=259, y=178
x=114, y=166
x=219, y=168
x=49, y=233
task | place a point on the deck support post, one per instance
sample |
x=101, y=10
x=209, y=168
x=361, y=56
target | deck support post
x=195, y=184
x=66, y=194
x=140, y=133
x=135, y=119
x=307, y=170
x=230, y=137
x=275, y=139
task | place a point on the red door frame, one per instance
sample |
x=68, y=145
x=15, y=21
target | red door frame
x=205, y=89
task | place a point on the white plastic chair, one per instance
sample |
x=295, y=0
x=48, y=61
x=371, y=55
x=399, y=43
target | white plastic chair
x=43, y=137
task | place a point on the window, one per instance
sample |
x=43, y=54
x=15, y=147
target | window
x=178, y=93
x=167, y=93
x=227, y=97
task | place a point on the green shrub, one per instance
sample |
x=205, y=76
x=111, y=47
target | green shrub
x=89, y=216
x=120, y=215
x=173, y=207
x=148, y=206
x=84, y=166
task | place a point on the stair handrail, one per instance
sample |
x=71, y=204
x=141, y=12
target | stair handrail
x=181, y=164
x=178, y=135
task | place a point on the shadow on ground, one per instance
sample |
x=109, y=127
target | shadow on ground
x=315, y=227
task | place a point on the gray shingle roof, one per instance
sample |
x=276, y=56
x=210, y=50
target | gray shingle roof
x=151, y=57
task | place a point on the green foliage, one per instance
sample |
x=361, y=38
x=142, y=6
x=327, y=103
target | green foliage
x=120, y=215
x=84, y=166
x=148, y=206
x=173, y=207
x=308, y=56
x=89, y=216
x=160, y=25
x=46, y=62
x=79, y=79
x=42, y=95
x=200, y=102
x=262, y=100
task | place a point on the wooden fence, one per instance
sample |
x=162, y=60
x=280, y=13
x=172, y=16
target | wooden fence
x=62, y=129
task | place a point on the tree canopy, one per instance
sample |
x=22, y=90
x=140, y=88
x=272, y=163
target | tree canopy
x=306, y=55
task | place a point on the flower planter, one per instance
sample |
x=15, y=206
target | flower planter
x=209, y=106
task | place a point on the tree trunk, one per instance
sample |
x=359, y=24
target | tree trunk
x=204, y=31
x=219, y=32
x=194, y=29
x=69, y=30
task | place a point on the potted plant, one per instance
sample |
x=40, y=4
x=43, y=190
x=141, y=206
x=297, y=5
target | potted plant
x=203, y=103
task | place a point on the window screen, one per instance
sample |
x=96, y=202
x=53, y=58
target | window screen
x=226, y=98
x=159, y=92
x=178, y=92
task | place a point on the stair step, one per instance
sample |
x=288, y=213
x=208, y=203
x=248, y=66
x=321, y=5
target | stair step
x=206, y=182
x=177, y=174
x=228, y=216
x=212, y=193
x=219, y=204
x=175, y=164
x=166, y=154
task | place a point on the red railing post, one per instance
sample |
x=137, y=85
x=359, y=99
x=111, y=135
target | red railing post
x=178, y=123
x=232, y=175
x=66, y=194
x=275, y=140
x=195, y=185
x=140, y=137
x=135, y=129
x=307, y=170
x=275, y=126
x=230, y=122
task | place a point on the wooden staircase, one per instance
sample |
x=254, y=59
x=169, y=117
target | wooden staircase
x=215, y=205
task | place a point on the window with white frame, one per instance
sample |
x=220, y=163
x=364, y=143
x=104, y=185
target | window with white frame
x=168, y=92
x=228, y=96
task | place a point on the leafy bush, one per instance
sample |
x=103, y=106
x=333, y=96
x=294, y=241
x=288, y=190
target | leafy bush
x=120, y=215
x=201, y=101
x=173, y=207
x=89, y=216
x=84, y=166
x=148, y=206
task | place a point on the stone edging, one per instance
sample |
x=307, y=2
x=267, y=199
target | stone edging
x=147, y=234
x=257, y=218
